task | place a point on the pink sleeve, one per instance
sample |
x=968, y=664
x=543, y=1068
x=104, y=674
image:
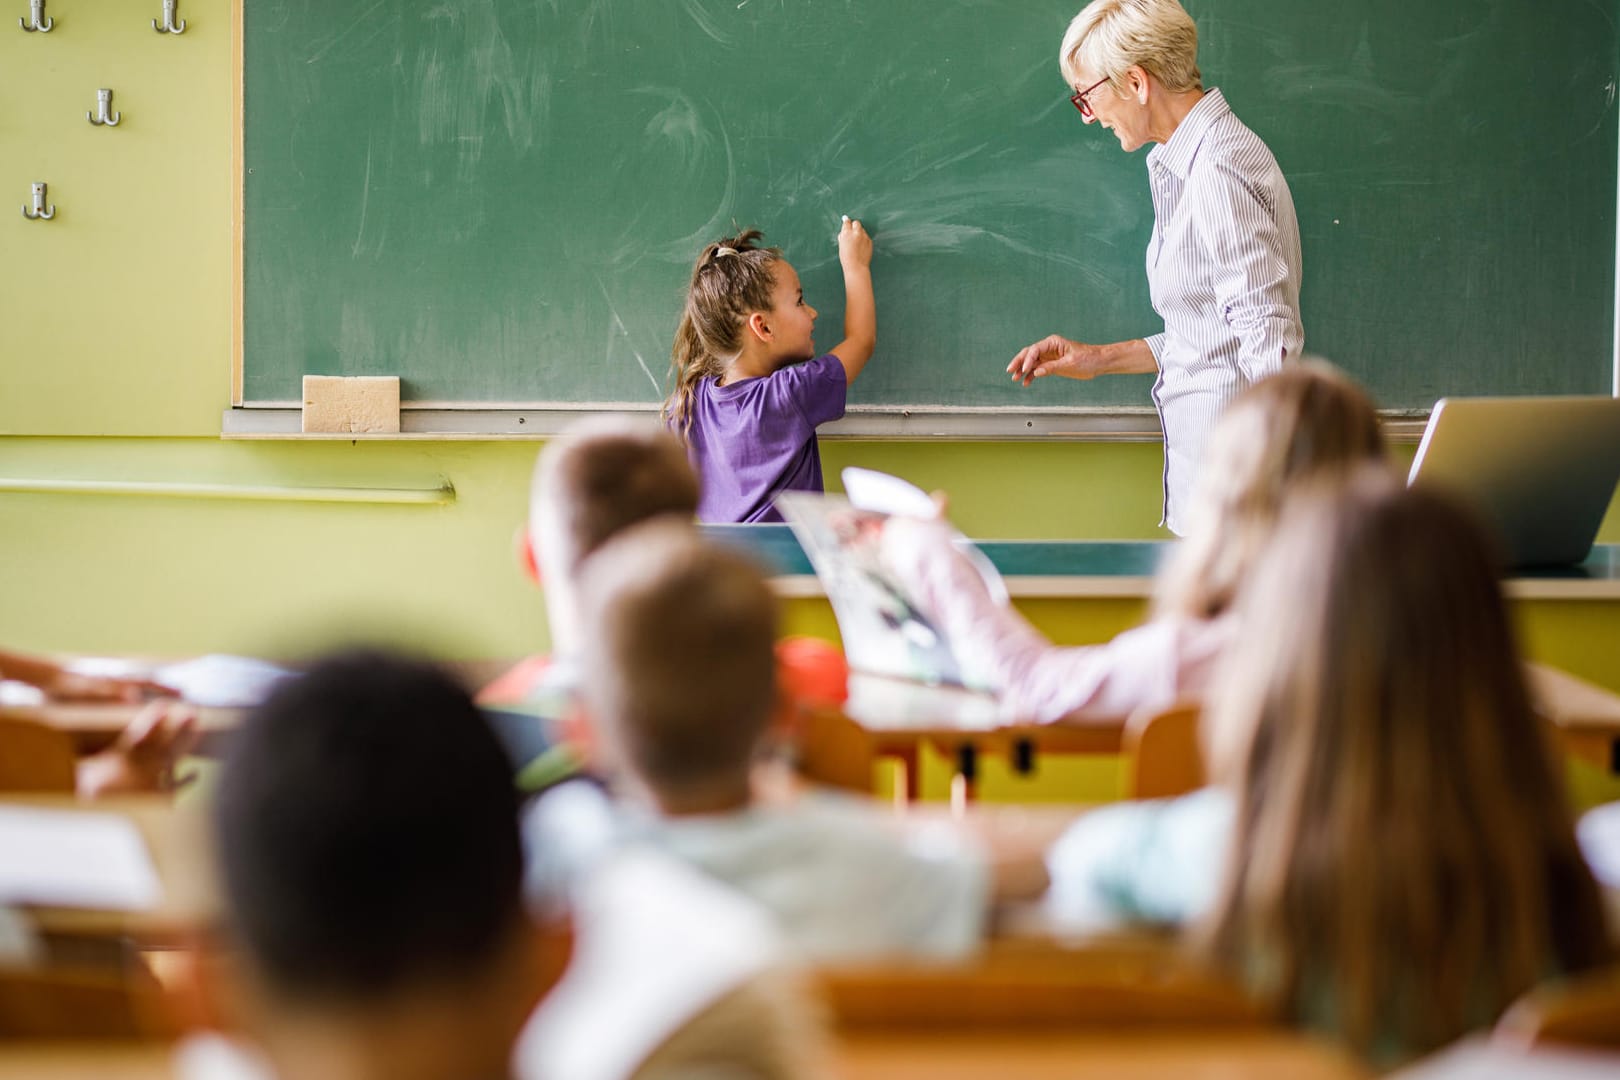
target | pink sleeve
x=1152, y=665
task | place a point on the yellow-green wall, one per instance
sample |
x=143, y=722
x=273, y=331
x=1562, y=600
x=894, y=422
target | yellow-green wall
x=115, y=339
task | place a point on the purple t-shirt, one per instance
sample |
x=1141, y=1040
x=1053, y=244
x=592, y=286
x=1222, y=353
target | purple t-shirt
x=757, y=437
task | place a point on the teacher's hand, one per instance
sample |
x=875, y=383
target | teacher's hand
x=1055, y=355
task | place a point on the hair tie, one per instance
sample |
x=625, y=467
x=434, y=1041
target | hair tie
x=719, y=251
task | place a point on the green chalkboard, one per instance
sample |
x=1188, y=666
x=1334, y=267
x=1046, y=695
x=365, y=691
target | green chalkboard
x=500, y=200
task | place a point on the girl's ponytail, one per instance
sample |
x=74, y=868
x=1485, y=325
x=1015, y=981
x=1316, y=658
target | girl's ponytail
x=731, y=280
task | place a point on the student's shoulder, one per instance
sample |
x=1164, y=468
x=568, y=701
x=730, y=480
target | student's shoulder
x=824, y=370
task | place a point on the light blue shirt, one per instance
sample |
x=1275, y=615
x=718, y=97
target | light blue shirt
x=1156, y=861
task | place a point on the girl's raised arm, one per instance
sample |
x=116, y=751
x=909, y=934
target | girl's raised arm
x=860, y=309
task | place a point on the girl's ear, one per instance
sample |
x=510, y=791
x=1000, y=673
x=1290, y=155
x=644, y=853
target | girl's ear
x=759, y=327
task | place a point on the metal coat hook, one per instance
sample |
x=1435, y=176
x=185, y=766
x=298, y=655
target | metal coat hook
x=169, y=26
x=40, y=212
x=36, y=18
x=104, y=116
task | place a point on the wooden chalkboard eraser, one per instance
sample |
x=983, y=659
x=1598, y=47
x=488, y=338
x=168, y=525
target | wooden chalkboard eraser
x=351, y=405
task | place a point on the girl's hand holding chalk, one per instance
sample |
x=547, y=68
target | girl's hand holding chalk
x=854, y=245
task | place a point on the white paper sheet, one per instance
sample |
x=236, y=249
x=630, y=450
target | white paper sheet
x=66, y=858
x=222, y=682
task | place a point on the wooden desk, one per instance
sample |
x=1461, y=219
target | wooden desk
x=1013, y=1056
x=176, y=839
x=86, y=1061
x=893, y=718
x=1587, y=717
x=1024, y=1055
x=94, y=727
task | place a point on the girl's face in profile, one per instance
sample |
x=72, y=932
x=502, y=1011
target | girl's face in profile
x=792, y=322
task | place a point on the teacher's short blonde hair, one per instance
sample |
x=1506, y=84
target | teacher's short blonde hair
x=1109, y=36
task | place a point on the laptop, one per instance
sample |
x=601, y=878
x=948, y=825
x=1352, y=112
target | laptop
x=1543, y=469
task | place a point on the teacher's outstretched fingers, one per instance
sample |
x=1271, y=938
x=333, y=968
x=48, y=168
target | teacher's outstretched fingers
x=1052, y=355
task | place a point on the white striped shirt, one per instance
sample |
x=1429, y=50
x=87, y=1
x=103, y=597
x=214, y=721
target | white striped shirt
x=1223, y=272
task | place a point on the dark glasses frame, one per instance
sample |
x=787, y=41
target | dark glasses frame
x=1078, y=99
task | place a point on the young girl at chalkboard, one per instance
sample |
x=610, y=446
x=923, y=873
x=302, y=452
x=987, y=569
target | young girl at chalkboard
x=750, y=389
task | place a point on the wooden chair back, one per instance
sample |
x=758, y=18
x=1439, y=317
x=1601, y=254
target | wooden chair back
x=51, y=1004
x=1162, y=752
x=35, y=758
x=1102, y=987
x=1584, y=1011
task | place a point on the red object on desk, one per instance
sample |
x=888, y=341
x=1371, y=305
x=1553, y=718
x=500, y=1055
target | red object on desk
x=813, y=671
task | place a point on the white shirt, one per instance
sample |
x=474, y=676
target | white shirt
x=1223, y=272
x=837, y=880
x=840, y=883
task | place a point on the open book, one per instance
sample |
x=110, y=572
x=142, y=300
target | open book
x=885, y=631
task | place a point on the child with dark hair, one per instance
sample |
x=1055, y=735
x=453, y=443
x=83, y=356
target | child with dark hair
x=367, y=833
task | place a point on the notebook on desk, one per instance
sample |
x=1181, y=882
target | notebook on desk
x=1541, y=469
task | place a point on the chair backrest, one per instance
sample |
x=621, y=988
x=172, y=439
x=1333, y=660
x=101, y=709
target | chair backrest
x=1162, y=752
x=1583, y=1011
x=1103, y=986
x=49, y=1004
x=833, y=750
x=35, y=758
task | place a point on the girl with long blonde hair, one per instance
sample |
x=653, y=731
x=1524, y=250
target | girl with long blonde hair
x=1386, y=853
x=1308, y=423
x=1403, y=861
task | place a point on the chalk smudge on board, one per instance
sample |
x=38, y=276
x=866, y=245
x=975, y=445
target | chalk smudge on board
x=677, y=123
x=346, y=31
x=365, y=201
x=658, y=388
x=705, y=21
x=685, y=248
x=456, y=96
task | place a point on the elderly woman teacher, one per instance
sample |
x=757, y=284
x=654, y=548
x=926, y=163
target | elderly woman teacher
x=1223, y=264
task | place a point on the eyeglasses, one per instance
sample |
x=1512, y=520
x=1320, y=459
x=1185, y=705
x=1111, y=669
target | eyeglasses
x=1078, y=99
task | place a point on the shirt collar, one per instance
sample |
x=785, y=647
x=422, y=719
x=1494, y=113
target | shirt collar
x=1177, y=154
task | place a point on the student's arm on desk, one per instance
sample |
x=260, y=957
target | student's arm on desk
x=61, y=683
x=1016, y=840
x=1148, y=667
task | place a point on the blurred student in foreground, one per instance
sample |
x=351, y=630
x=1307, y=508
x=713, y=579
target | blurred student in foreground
x=1305, y=424
x=678, y=681
x=1387, y=854
x=366, y=828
